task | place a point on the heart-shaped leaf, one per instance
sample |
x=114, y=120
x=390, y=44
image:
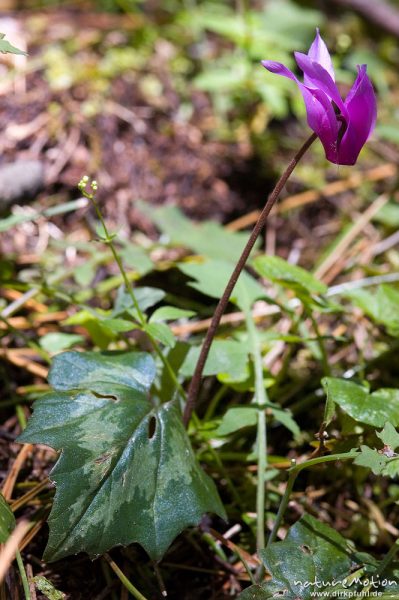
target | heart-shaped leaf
x=312, y=557
x=374, y=409
x=127, y=472
x=211, y=277
x=225, y=357
x=207, y=238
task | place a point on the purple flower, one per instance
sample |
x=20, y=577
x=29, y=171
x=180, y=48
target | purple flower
x=343, y=126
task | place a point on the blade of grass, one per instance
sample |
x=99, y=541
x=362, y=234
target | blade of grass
x=124, y=580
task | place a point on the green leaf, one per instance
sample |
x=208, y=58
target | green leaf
x=55, y=341
x=382, y=307
x=7, y=48
x=388, y=131
x=47, y=589
x=280, y=25
x=175, y=356
x=126, y=472
x=291, y=276
x=7, y=520
x=146, y=298
x=34, y=215
x=137, y=259
x=237, y=418
x=211, y=277
x=389, y=436
x=207, y=238
x=392, y=468
x=161, y=332
x=225, y=356
x=370, y=458
x=102, y=372
x=256, y=592
x=389, y=213
x=225, y=23
x=170, y=313
x=329, y=410
x=290, y=21
x=284, y=416
x=385, y=461
x=374, y=409
x=118, y=325
x=85, y=273
x=93, y=321
x=102, y=327
x=217, y=78
x=311, y=551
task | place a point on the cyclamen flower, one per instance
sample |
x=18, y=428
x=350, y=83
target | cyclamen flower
x=343, y=126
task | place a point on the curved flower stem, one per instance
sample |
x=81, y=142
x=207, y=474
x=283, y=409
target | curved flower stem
x=293, y=474
x=196, y=380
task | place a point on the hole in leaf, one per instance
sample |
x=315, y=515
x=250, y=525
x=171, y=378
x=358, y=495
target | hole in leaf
x=106, y=396
x=152, y=426
x=305, y=549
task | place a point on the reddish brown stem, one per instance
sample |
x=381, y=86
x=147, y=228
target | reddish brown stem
x=221, y=307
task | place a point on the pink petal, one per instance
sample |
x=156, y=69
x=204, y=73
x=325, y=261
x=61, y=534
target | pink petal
x=279, y=69
x=319, y=53
x=317, y=77
x=322, y=120
x=320, y=113
x=361, y=106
